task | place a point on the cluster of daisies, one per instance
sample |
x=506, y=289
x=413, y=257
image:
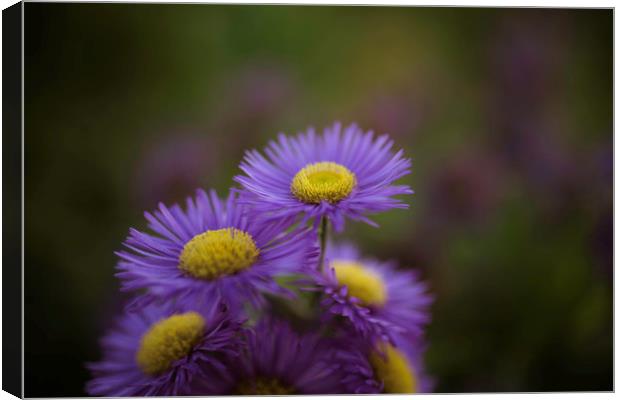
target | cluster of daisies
x=249, y=295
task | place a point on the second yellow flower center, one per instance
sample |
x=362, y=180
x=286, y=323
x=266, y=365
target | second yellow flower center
x=169, y=340
x=361, y=283
x=323, y=181
x=216, y=253
x=393, y=369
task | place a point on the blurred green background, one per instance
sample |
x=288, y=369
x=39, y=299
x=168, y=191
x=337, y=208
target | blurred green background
x=507, y=114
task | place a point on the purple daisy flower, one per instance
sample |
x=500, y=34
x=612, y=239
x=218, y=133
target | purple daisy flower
x=383, y=367
x=160, y=350
x=211, y=252
x=374, y=296
x=342, y=173
x=276, y=360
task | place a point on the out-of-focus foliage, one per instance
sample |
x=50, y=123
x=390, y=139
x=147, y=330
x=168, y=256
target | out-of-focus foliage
x=506, y=113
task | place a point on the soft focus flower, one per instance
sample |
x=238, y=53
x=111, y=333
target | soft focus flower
x=342, y=173
x=526, y=55
x=383, y=367
x=160, y=350
x=251, y=100
x=260, y=90
x=400, y=111
x=377, y=299
x=276, y=360
x=468, y=188
x=173, y=165
x=210, y=252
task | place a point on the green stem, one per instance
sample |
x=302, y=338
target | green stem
x=323, y=232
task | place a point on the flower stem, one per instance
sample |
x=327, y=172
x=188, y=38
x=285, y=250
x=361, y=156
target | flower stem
x=323, y=232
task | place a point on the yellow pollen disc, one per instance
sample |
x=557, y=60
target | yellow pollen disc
x=323, y=181
x=392, y=368
x=216, y=253
x=362, y=283
x=265, y=387
x=169, y=340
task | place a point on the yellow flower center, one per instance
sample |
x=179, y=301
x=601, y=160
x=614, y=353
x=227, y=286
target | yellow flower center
x=361, y=283
x=393, y=369
x=323, y=181
x=169, y=340
x=215, y=253
x=264, y=386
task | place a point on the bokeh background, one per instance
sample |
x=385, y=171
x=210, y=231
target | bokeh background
x=507, y=114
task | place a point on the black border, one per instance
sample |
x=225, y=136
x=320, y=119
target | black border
x=12, y=199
